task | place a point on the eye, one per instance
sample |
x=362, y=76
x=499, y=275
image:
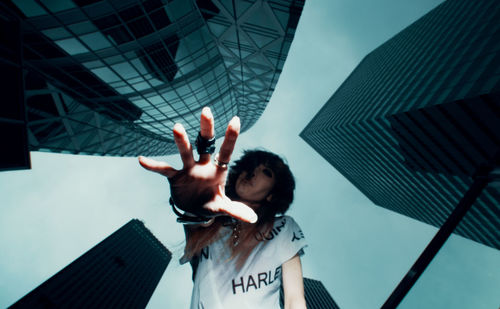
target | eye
x=267, y=172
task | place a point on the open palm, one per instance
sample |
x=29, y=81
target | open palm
x=198, y=187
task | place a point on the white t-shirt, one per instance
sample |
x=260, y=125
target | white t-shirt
x=217, y=284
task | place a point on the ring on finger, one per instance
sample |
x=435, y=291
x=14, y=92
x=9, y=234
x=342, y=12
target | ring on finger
x=219, y=163
x=204, y=145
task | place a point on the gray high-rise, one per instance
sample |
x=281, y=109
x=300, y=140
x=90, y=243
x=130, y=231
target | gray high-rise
x=317, y=297
x=122, y=271
x=315, y=294
x=112, y=77
x=419, y=117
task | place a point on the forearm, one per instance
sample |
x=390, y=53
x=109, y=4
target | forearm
x=293, y=286
x=295, y=302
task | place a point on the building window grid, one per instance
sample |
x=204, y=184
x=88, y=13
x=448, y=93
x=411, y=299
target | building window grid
x=480, y=225
x=337, y=118
x=379, y=168
x=131, y=282
x=122, y=83
x=240, y=63
x=111, y=273
x=74, y=286
x=461, y=185
x=436, y=36
x=219, y=86
x=380, y=97
x=481, y=147
x=402, y=195
x=92, y=51
x=360, y=81
x=325, y=147
x=433, y=147
x=401, y=172
x=148, y=82
x=364, y=175
x=487, y=79
x=465, y=74
x=490, y=200
x=471, y=227
x=374, y=92
x=442, y=133
x=176, y=90
x=426, y=177
x=475, y=81
x=408, y=84
x=451, y=44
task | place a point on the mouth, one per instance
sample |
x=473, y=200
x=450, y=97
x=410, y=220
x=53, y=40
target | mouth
x=245, y=182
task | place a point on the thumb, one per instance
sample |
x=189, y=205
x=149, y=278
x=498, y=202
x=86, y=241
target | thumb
x=238, y=210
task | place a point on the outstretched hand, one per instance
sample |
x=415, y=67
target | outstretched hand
x=199, y=186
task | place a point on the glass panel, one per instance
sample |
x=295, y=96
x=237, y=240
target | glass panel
x=465, y=273
x=156, y=99
x=114, y=59
x=194, y=41
x=178, y=8
x=139, y=66
x=141, y=86
x=169, y=95
x=183, y=90
x=29, y=7
x=155, y=82
x=135, y=80
x=83, y=27
x=95, y=41
x=141, y=103
x=188, y=67
x=124, y=90
x=106, y=74
x=125, y=70
x=58, y=5
x=57, y=33
x=72, y=46
x=93, y=64
x=118, y=84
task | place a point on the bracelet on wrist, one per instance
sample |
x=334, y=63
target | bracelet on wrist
x=188, y=218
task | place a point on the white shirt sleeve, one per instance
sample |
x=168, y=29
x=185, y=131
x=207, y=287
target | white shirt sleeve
x=292, y=240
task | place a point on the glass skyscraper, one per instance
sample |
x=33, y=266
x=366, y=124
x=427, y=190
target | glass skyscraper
x=122, y=271
x=112, y=77
x=419, y=118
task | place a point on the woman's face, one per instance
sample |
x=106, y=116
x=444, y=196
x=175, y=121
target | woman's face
x=255, y=187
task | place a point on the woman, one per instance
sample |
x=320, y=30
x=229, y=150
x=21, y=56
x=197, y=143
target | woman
x=241, y=262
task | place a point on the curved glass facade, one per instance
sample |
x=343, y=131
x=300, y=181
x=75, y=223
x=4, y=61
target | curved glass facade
x=115, y=76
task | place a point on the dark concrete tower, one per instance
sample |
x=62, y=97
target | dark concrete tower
x=419, y=117
x=122, y=271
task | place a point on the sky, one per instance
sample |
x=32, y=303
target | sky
x=65, y=204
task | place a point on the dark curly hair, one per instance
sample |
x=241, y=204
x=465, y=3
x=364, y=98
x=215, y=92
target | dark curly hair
x=282, y=192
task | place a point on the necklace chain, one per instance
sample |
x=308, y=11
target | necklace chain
x=236, y=233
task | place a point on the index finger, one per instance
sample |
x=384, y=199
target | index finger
x=227, y=147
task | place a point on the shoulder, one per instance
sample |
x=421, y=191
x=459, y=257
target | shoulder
x=285, y=221
x=291, y=241
x=288, y=225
